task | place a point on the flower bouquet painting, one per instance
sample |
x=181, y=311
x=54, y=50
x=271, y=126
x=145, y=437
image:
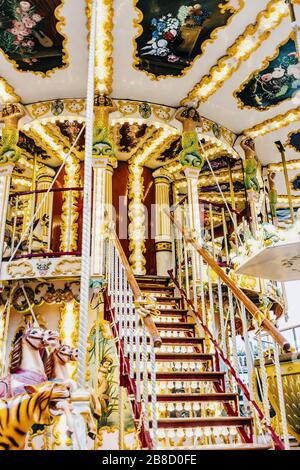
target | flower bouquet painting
x=28, y=34
x=174, y=32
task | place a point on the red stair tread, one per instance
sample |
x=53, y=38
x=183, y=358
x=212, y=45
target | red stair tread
x=175, y=326
x=218, y=421
x=233, y=447
x=186, y=376
x=160, y=356
x=182, y=341
x=196, y=397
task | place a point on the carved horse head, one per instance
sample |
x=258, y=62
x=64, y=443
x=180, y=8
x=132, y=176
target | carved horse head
x=34, y=338
x=62, y=355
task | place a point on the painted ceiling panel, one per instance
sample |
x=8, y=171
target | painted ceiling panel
x=30, y=35
x=279, y=80
x=270, y=83
x=174, y=32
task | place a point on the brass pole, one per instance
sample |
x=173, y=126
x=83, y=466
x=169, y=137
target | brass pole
x=231, y=185
x=212, y=230
x=225, y=235
x=286, y=177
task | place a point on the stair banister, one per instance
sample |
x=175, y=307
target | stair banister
x=138, y=296
x=240, y=295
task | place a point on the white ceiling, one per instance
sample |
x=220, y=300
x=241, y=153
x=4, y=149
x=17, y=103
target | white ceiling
x=130, y=83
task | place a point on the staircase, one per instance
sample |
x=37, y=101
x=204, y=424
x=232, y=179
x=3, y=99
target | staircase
x=194, y=407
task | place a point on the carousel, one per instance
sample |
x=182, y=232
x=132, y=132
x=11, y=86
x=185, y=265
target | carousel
x=149, y=219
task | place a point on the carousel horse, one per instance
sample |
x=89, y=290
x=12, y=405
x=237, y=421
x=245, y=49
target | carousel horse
x=41, y=404
x=56, y=369
x=27, y=367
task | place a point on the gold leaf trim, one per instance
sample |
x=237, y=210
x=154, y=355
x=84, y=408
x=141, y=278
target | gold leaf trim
x=216, y=76
x=107, y=44
x=7, y=93
x=65, y=55
x=265, y=64
x=211, y=40
x=273, y=124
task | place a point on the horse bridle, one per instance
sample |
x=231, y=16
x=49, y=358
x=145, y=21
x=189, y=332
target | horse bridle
x=59, y=353
x=28, y=336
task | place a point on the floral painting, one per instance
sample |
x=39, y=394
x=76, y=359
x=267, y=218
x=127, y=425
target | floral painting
x=104, y=376
x=29, y=35
x=278, y=81
x=174, y=32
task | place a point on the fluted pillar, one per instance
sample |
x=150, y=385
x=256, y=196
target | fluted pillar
x=163, y=228
x=192, y=176
x=9, y=155
x=70, y=214
x=42, y=231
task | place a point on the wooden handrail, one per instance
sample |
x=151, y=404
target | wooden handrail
x=239, y=294
x=43, y=191
x=137, y=293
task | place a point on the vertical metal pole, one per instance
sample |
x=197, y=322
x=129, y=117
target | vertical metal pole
x=286, y=178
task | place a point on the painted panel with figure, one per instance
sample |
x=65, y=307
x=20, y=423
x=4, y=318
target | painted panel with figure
x=278, y=81
x=104, y=375
x=30, y=34
x=173, y=33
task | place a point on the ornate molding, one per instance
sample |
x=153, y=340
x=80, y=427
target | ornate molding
x=7, y=93
x=266, y=63
x=273, y=124
x=162, y=174
x=245, y=45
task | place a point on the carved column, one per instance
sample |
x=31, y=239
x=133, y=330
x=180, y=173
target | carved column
x=111, y=166
x=163, y=228
x=97, y=239
x=251, y=181
x=192, y=176
x=70, y=214
x=103, y=165
x=9, y=155
x=42, y=231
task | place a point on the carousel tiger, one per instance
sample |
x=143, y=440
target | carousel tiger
x=41, y=404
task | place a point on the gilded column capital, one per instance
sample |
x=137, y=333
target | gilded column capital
x=192, y=173
x=161, y=175
x=112, y=164
x=45, y=173
x=100, y=162
x=6, y=169
x=11, y=113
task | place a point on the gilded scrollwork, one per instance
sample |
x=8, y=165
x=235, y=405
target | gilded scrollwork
x=240, y=50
